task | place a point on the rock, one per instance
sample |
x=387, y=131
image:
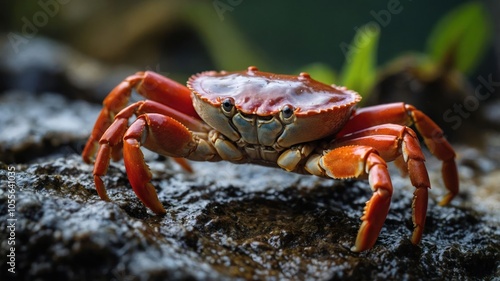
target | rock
x=39, y=125
x=224, y=221
x=45, y=65
x=230, y=221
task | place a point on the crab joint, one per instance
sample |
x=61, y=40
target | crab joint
x=290, y=158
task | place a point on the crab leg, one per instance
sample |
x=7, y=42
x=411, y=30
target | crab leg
x=404, y=114
x=392, y=142
x=111, y=143
x=149, y=130
x=353, y=162
x=150, y=85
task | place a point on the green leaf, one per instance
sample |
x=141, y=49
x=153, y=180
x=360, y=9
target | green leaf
x=228, y=47
x=462, y=35
x=320, y=72
x=359, y=70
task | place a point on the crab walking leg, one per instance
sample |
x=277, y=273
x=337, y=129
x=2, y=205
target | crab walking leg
x=192, y=123
x=158, y=133
x=146, y=130
x=150, y=85
x=111, y=138
x=147, y=106
x=392, y=142
x=176, y=139
x=405, y=114
x=111, y=142
x=353, y=162
x=438, y=146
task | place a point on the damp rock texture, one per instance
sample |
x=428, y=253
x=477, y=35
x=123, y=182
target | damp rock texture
x=224, y=221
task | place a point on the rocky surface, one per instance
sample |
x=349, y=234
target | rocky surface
x=40, y=125
x=224, y=221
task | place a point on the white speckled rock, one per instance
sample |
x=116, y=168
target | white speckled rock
x=225, y=221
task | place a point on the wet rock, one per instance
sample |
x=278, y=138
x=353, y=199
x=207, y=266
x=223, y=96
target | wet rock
x=231, y=221
x=39, y=125
x=45, y=65
x=62, y=232
x=225, y=221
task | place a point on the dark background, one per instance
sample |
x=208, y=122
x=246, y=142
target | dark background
x=278, y=36
x=60, y=58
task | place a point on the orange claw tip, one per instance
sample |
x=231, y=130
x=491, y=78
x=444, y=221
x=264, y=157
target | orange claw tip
x=367, y=236
x=363, y=245
x=417, y=235
x=446, y=199
x=355, y=249
x=88, y=151
x=184, y=164
x=147, y=194
x=359, y=248
x=158, y=209
x=101, y=190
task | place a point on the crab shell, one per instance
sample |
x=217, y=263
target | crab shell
x=265, y=101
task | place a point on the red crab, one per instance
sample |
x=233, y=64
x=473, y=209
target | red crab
x=292, y=122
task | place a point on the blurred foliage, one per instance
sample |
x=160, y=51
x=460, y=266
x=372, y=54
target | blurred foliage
x=224, y=41
x=178, y=38
x=359, y=71
x=457, y=42
x=185, y=36
x=320, y=71
x=463, y=34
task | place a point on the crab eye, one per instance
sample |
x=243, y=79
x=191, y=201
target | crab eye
x=287, y=112
x=227, y=105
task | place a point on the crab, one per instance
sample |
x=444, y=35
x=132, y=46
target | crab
x=291, y=122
